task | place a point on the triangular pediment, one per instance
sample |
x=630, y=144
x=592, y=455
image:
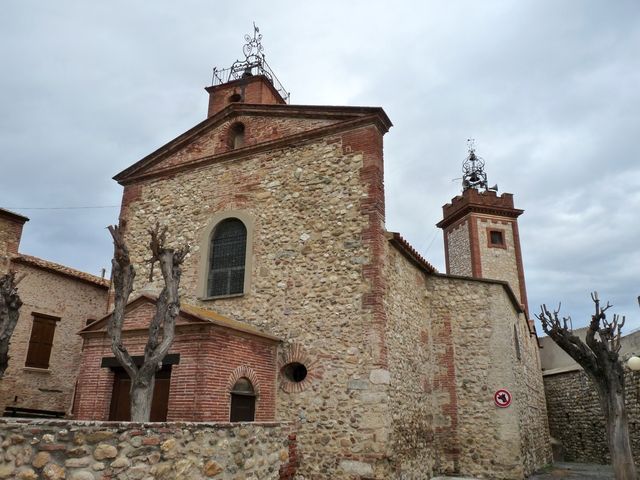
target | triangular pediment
x=265, y=125
x=140, y=310
x=138, y=314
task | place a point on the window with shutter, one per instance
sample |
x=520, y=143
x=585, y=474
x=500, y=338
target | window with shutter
x=41, y=341
x=227, y=258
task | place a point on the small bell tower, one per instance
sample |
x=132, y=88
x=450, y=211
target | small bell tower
x=246, y=81
x=480, y=228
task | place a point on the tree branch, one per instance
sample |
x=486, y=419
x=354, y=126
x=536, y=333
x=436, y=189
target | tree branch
x=122, y=276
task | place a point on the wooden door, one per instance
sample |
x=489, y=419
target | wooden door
x=120, y=398
x=243, y=408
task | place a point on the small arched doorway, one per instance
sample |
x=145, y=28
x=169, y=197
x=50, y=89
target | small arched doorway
x=243, y=401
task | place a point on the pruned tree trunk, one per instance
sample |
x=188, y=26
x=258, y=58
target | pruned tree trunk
x=600, y=360
x=162, y=325
x=10, y=304
x=618, y=433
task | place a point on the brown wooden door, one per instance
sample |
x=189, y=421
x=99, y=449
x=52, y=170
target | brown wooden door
x=243, y=408
x=120, y=398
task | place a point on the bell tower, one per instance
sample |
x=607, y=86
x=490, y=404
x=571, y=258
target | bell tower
x=480, y=228
x=246, y=81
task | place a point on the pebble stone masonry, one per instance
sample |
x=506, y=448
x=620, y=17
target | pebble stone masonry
x=74, y=450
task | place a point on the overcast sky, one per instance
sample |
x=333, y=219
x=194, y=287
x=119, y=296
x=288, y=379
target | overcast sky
x=549, y=90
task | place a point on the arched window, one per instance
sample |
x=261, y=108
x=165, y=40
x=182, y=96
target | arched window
x=227, y=258
x=243, y=401
x=236, y=135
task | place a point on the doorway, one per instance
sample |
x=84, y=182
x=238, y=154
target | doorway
x=120, y=399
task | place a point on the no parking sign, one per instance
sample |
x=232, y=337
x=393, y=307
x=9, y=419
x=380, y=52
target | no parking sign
x=502, y=398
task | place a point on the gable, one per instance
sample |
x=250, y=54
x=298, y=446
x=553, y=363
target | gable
x=138, y=314
x=140, y=310
x=216, y=140
x=263, y=124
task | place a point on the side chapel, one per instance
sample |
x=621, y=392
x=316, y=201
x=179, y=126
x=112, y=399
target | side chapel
x=298, y=305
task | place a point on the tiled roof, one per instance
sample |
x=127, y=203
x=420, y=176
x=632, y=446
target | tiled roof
x=216, y=318
x=13, y=215
x=61, y=269
x=408, y=251
x=197, y=313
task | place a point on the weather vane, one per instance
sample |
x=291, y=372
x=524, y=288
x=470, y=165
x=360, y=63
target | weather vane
x=254, y=63
x=473, y=174
x=253, y=47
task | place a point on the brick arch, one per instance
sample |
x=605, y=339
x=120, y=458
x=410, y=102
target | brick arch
x=297, y=353
x=246, y=372
x=232, y=131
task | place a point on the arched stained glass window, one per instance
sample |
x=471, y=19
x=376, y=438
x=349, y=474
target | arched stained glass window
x=243, y=401
x=227, y=258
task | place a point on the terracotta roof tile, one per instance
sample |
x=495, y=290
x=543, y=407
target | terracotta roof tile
x=213, y=317
x=408, y=251
x=198, y=313
x=13, y=215
x=61, y=269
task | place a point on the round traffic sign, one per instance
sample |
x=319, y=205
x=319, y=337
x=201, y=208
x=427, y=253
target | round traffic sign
x=502, y=398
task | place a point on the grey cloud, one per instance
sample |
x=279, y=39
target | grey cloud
x=548, y=89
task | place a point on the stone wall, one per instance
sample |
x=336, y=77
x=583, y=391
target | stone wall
x=452, y=344
x=415, y=412
x=576, y=420
x=32, y=449
x=71, y=300
x=534, y=428
x=458, y=248
x=476, y=319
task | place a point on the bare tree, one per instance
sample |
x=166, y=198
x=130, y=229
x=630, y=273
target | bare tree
x=10, y=304
x=599, y=359
x=162, y=325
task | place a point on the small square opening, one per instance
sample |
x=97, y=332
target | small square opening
x=496, y=237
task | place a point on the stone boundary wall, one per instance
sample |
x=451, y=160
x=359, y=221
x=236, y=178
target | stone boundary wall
x=78, y=450
x=576, y=420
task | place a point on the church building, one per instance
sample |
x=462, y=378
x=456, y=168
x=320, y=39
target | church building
x=298, y=305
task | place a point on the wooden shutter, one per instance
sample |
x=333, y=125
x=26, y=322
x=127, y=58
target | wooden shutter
x=41, y=341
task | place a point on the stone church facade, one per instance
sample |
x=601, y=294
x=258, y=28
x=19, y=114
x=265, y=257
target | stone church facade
x=386, y=367
x=297, y=305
